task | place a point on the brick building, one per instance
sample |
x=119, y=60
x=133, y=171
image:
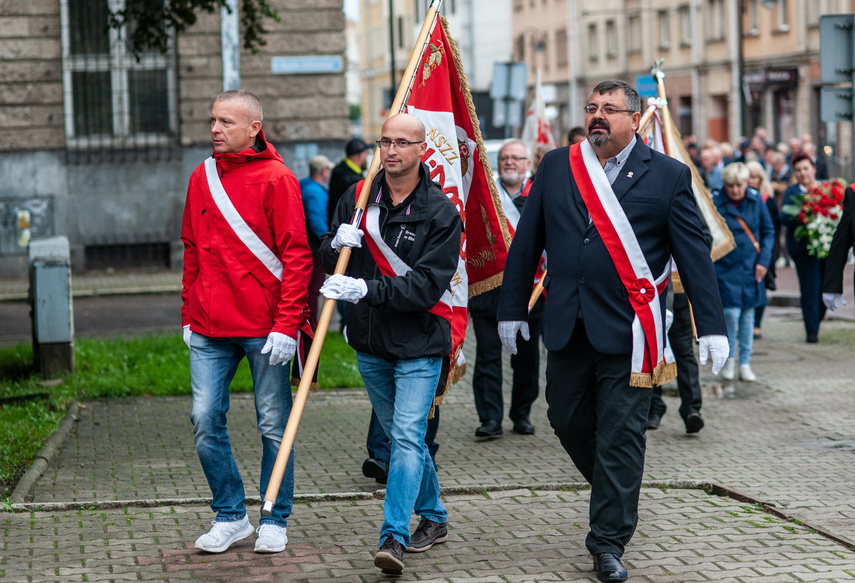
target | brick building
x=98, y=145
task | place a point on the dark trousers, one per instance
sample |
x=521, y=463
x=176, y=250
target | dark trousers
x=315, y=282
x=681, y=338
x=810, y=271
x=380, y=447
x=487, y=377
x=601, y=422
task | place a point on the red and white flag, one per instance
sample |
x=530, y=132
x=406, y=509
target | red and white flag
x=536, y=131
x=440, y=98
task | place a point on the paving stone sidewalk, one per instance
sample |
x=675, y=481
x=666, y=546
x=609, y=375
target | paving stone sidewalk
x=787, y=440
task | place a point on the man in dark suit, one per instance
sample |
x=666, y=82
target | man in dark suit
x=844, y=239
x=604, y=325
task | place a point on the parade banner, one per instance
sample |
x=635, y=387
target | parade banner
x=536, y=130
x=440, y=98
x=659, y=132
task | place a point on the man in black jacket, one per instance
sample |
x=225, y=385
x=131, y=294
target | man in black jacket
x=843, y=240
x=399, y=324
x=347, y=173
x=610, y=212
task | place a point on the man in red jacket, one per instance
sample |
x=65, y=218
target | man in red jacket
x=246, y=272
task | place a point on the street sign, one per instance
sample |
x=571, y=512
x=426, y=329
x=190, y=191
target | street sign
x=306, y=65
x=836, y=104
x=835, y=48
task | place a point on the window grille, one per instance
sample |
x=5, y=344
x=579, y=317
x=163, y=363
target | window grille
x=117, y=107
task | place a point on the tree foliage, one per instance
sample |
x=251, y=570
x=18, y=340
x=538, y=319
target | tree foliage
x=149, y=23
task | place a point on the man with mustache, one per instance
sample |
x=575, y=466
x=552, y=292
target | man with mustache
x=610, y=212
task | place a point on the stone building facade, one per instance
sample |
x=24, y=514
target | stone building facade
x=98, y=145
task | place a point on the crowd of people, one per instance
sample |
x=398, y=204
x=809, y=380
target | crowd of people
x=261, y=249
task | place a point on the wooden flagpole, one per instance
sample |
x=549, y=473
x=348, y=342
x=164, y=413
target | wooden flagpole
x=340, y=267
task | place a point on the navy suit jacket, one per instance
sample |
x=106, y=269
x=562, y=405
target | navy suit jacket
x=844, y=238
x=656, y=195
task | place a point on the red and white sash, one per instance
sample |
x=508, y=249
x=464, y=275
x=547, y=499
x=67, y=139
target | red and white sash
x=648, y=331
x=257, y=258
x=389, y=263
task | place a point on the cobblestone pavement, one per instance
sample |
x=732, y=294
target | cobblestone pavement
x=787, y=440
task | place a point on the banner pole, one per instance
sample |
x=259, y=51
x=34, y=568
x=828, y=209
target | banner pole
x=341, y=266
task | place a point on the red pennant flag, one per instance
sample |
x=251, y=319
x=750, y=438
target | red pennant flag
x=440, y=98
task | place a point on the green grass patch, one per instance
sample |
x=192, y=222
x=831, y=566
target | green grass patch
x=155, y=365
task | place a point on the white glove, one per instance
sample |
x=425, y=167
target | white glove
x=508, y=334
x=342, y=287
x=347, y=236
x=188, y=333
x=281, y=348
x=830, y=300
x=716, y=346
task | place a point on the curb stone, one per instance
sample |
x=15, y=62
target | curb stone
x=44, y=456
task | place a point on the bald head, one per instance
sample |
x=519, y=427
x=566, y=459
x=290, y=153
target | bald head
x=404, y=122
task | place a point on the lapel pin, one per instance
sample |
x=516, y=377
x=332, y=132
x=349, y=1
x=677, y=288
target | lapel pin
x=629, y=175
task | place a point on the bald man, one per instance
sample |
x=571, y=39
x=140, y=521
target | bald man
x=246, y=273
x=399, y=325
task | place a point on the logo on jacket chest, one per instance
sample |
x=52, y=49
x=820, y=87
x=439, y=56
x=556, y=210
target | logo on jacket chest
x=404, y=235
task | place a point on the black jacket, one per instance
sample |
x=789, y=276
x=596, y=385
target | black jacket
x=392, y=321
x=844, y=238
x=656, y=194
x=342, y=177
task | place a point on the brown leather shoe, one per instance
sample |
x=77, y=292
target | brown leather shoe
x=390, y=557
x=427, y=534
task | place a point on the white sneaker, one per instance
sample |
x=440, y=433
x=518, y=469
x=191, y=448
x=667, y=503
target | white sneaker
x=728, y=371
x=223, y=535
x=271, y=538
x=746, y=374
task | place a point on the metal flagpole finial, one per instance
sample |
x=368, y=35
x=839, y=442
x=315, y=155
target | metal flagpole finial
x=658, y=71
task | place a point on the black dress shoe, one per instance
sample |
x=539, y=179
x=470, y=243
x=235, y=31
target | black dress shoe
x=377, y=469
x=609, y=568
x=813, y=337
x=653, y=421
x=524, y=427
x=491, y=429
x=694, y=422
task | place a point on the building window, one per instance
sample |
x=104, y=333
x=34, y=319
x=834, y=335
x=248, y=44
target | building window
x=593, y=43
x=540, y=45
x=814, y=9
x=611, y=39
x=714, y=20
x=783, y=16
x=753, y=17
x=685, y=26
x=520, y=46
x=664, y=29
x=400, y=32
x=633, y=34
x=112, y=100
x=561, y=55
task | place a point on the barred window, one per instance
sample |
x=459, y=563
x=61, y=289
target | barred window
x=117, y=107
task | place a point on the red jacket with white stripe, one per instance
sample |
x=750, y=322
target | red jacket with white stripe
x=221, y=297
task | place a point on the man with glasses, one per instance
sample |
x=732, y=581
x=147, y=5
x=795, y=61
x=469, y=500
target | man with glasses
x=399, y=283
x=610, y=213
x=513, y=185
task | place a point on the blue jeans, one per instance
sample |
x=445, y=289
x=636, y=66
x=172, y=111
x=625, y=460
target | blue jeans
x=740, y=325
x=401, y=393
x=213, y=362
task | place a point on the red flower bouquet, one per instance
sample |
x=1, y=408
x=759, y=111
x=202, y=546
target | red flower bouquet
x=818, y=212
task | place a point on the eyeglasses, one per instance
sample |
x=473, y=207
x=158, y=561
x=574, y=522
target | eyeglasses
x=591, y=109
x=514, y=158
x=399, y=144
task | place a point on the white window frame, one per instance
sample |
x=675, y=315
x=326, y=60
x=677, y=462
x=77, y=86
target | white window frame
x=685, y=25
x=664, y=21
x=782, y=7
x=118, y=63
x=593, y=42
x=633, y=33
x=611, y=39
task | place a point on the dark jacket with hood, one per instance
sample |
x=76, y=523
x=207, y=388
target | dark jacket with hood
x=392, y=321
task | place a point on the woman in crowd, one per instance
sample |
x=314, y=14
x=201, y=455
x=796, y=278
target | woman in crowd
x=741, y=272
x=759, y=181
x=809, y=269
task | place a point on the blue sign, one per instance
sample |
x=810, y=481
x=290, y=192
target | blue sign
x=646, y=86
x=306, y=65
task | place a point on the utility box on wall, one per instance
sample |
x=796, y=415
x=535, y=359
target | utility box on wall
x=51, y=306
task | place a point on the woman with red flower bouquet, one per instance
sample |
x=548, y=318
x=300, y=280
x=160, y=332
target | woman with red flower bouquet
x=811, y=211
x=742, y=272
